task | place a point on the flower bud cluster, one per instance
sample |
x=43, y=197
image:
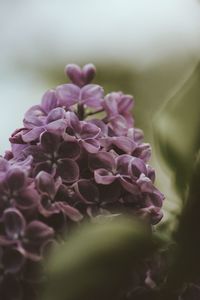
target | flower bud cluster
x=78, y=156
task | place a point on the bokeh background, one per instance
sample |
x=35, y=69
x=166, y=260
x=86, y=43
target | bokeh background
x=150, y=49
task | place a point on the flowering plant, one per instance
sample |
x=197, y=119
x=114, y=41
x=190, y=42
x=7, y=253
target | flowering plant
x=77, y=157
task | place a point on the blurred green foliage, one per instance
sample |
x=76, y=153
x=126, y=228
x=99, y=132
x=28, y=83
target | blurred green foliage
x=98, y=260
x=186, y=267
x=177, y=130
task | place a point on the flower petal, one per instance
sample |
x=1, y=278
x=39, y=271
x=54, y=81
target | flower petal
x=15, y=179
x=49, y=210
x=101, y=160
x=14, y=223
x=91, y=95
x=57, y=127
x=68, y=170
x=25, y=164
x=45, y=184
x=71, y=212
x=49, y=142
x=103, y=176
x=125, y=104
x=100, y=124
x=36, y=235
x=38, y=231
x=119, y=125
x=16, y=136
x=155, y=198
x=88, y=72
x=74, y=73
x=67, y=94
x=17, y=149
x=49, y=101
x=32, y=135
x=89, y=131
x=3, y=165
x=90, y=145
x=136, y=135
x=55, y=114
x=69, y=150
x=110, y=104
x=145, y=184
x=36, y=152
x=129, y=185
x=122, y=143
x=151, y=173
x=143, y=151
x=35, y=116
x=123, y=162
x=13, y=260
x=43, y=166
x=136, y=167
x=73, y=122
x=87, y=191
x=110, y=193
x=78, y=76
x=28, y=199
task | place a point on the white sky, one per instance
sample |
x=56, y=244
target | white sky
x=113, y=28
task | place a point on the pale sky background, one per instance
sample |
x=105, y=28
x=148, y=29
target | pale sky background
x=141, y=34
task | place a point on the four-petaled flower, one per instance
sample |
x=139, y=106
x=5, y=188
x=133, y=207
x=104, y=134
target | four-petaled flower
x=56, y=156
x=87, y=134
x=50, y=204
x=16, y=189
x=28, y=239
x=118, y=109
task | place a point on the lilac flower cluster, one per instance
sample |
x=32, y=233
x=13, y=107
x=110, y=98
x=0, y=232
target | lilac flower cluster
x=77, y=156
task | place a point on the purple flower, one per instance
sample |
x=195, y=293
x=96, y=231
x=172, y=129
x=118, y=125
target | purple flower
x=27, y=239
x=50, y=205
x=126, y=145
x=85, y=133
x=25, y=165
x=16, y=189
x=134, y=176
x=36, y=124
x=121, y=144
x=99, y=199
x=118, y=107
x=108, y=168
x=47, y=116
x=90, y=95
x=56, y=157
x=79, y=76
x=136, y=135
x=93, y=158
x=78, y=156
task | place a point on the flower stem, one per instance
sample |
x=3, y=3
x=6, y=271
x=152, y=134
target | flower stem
x=81, y=112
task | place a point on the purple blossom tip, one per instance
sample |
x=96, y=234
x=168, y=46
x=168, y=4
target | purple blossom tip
x=78, y=76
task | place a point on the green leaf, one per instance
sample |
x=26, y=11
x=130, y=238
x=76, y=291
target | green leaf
x=186, y=266
x=97, y=261
x=177, y=128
